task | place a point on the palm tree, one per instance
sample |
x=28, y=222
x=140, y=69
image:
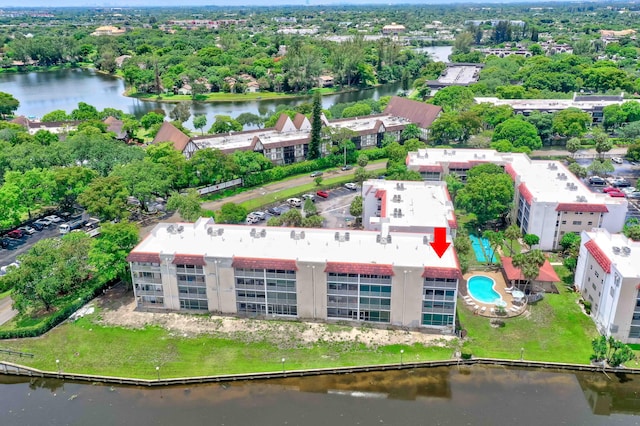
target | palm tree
x=495, y=238
x=529, y=264
x=512, y=233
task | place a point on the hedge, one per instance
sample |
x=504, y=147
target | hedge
x=55, y=318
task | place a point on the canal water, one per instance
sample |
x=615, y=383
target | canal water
x=43, y=92
x=475, y=395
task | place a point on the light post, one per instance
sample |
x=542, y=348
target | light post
x=521, y=354
x=158, y=371
x=283, y=360
x=401, y=353
x=58, y=365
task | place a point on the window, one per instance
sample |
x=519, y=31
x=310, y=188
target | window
x=596, y=274
x=577, y=222
x=590, y=223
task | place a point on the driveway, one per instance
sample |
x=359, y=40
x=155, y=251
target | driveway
x=278, y=186
x=6, y=312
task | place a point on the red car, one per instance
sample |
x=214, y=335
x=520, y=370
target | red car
x=616, y=194
x=610, y=189
x=323, y=194
x=16, y=233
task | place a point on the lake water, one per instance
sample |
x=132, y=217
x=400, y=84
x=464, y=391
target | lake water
x=474, y=395
x=438, y=53
x=43, y=92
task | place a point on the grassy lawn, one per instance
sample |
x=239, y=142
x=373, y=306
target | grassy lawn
x=87, y=347
x=5, y=294
x=556, y=330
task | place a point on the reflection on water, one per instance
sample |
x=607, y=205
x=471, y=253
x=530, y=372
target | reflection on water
x=456, y=396
x=43, y=92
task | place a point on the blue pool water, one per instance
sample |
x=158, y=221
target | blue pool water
x=481, y=289
x=482, y=249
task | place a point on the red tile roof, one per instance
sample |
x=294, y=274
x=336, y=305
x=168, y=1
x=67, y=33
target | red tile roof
x=430, y=272
x=170, y=133
x=546, y=274
x=298, y=120
x=525, y=192
x=459, y=165
x=256, y=263
x=189, y=259
x=143, y=257
x=582, y=207
x=419, y=113
x=598, y=255
x=430, y=168
x=510, y=171
x=282, y=120
x=359, y=268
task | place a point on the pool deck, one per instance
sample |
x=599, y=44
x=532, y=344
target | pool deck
x=512, y=310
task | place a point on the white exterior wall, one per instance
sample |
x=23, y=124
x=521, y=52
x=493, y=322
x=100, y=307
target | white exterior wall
x=614, y=220
x=542, y=222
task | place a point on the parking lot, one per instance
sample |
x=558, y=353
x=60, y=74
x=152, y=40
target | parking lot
x=17, y=246
x=334, y=209
x=625, y=170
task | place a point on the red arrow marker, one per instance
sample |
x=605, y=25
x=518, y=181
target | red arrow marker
x=440, y=244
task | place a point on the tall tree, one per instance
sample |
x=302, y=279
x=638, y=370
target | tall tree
x=316, y=128
x=199, y=122
x=105, y=197
x=511, y=234
x=529, y=264
x=8, y=104
x=487, y=195
x=188, y=205
x=181, y=112
x=109, y=251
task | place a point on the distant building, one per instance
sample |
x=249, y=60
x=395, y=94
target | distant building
x=419, y=113
x=593, y=104
x=191, y=24
x=608, y=276
x=393, y=29
x=325, y=81
x=108, y=30
x=114, y=125
x=457, y=74
x=57, y=127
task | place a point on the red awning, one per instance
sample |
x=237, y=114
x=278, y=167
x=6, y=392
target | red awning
x=256, y=263
x=546, y=274
x=437, y=168
x=582, y=207
x=441, y=273
x=189, y=259
x=143, y=257
x=525, y=193
x=510, y=171
x=359, y=268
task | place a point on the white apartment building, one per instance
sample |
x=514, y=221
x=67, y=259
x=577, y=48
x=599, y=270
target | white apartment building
x=407, y=206
x=379, y=277
x=549, y=200
x=608, y=276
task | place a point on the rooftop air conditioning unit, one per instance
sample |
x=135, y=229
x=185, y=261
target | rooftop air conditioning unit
x=626, y=250
x=252, y=232
x=210, y=231
x=616, y=249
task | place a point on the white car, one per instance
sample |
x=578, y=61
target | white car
x=259, y=215
x=352, y=186
x=628, y=190
x=309, y=197
x=617, y=160
x=54, y=218
x=27, y=229
x=44, y=221
x=294, y=202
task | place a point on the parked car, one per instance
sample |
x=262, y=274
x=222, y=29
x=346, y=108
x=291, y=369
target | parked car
x=260, y=215
x=617, y=160
x=294, y=202
x=309, y=197
x=37, y=226
x=275, y=211
x=610, y=189
x=316, y=174
x=597, y=180
x=16, y=233
x=347, y=167
x=44, y=221
x=634, y=195
x=252, y=219
x=27, y=230
x=352, y=186
x=629, y=189
x=617, y=194
x=53, y=218
x=323, y=194
x=4, y=242
x=633, y=163
x=621, y=183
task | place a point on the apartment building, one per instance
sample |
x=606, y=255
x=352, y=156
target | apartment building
x=385, y=277
x=549, y=200
x=608, y=276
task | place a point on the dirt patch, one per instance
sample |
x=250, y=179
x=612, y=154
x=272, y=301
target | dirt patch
x=117, y=308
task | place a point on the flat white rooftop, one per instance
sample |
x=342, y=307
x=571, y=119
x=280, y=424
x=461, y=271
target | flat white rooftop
x=547, y=104
x=315, y=245
x=627, y=264
x=460, y=75
x=547, y=181
x=423, y=204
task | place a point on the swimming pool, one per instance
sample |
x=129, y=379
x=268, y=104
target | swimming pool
x=481, y=288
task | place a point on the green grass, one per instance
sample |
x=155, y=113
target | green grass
x=5, y=294
x=557, y=330
x=86, y=347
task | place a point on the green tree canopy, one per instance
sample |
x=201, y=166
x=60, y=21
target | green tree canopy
x=487, y=195
x=519, y=132
x=231, y=213
x=8, y=104
x=571, y=122
x=453, y=98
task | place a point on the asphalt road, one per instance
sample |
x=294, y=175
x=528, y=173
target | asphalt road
x=6, y=313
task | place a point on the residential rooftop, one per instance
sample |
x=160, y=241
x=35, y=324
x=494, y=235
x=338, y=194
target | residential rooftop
x=583, y=102
x=612, y=246
x=208, y=239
